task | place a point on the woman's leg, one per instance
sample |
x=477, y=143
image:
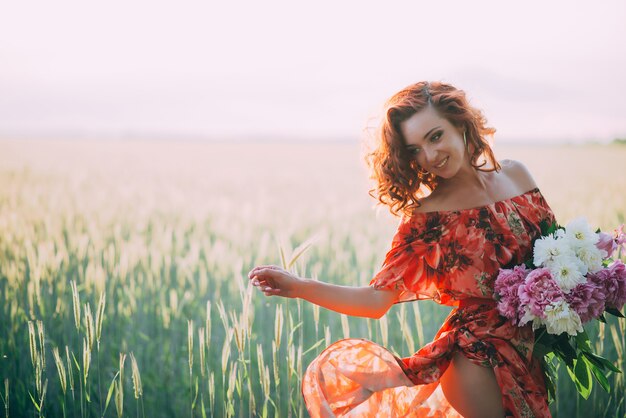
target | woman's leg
x=471, y=389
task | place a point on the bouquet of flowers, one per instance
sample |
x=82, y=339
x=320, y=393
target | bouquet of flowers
x=575, y=276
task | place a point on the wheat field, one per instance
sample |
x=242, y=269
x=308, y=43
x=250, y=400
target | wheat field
x=123, y=271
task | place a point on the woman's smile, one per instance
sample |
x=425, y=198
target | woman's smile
x=441, y=164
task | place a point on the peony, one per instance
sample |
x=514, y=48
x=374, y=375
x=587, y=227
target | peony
x=616, y=285
x=587, y=300
x=601, y=279
x=606, y=243
x=549, y=248
x=506, y=286
x=560, y=318
x=508, y=307
x=578, y=233
x=538, y=291
x=527, y=316
x=510, y=279
x=591, y=256
x=568, y=272
x=620, y=236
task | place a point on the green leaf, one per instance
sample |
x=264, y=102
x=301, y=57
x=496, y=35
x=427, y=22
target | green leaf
x=615, y=312
x=195, y=398
x=591, y=359
x=34, y=402
x=314, y=346
x=582, y=341
x=600, y=377
x=76, y=362
x=541, y=350
x=273, y=403
x=605, y=363
x=547, y=228
x=551, y=228
x=570, y=371
x=111, y=387
x=551, y=388
x=565, y=350
x=583, y=378
x=298, y=325
x=601, y=318
x=550, y=376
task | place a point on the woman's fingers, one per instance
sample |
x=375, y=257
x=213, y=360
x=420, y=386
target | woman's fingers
x=263, y=273
x=255, y=270
x=272, y=280
x=271, y=292
x=260, y=277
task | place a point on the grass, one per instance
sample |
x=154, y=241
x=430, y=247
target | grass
x=158, y=237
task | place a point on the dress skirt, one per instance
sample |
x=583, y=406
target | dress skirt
x=355, y=377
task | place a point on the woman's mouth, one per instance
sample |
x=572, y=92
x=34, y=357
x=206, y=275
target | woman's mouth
x=441, y=164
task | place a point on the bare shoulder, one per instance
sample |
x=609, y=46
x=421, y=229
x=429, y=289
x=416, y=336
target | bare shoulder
x=519, y=174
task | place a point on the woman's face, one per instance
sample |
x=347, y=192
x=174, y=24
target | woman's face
x=434, y=142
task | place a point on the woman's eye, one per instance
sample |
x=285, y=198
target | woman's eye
x=436, y=137
x=414, y=151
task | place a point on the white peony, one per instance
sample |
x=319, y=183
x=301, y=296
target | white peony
x=591, y=256
x=579, y=233
x=527, y=317
x=560, y=318
x=548, y=249
x=568, y=272
x=537, y=323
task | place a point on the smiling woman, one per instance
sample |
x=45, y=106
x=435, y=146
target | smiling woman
x=423, y=127
x=479, y=216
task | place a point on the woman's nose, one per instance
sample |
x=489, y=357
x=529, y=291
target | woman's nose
x=429, y=156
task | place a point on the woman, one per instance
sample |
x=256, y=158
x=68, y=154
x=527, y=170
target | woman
x=463, y=216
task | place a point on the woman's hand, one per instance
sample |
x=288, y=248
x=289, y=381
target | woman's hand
x=362, y=301
x=274, y=281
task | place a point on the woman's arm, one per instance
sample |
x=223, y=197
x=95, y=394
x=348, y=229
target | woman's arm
x=355, y=301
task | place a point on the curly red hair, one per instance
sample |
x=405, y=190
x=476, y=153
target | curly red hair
x=398, y=176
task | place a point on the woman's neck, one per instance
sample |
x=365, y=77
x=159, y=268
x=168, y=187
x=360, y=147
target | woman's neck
x=468, y=178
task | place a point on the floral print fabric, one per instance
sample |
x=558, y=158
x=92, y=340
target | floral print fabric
x=446, y=256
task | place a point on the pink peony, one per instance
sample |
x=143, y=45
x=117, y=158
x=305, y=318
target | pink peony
x=508, y=307
x=600, y=278
x=607, y=243
x=509, y=280
x=616, y=288
x=587, y=300
x=506, y=286
x=620, y=236
x=612, y=281
x=538, y=291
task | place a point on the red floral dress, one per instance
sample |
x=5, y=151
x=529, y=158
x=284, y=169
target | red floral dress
x=453, y=258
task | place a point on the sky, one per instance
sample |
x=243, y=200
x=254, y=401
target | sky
x=541, y=71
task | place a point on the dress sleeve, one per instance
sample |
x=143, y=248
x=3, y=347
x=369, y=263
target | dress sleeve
x=412, y=262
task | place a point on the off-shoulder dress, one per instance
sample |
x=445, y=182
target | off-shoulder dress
x=451, y=257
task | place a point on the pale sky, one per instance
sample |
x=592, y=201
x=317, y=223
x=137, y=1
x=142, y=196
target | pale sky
x=540, y=70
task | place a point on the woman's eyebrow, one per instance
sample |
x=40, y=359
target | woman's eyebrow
x=425, y=136
x=428, y=133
